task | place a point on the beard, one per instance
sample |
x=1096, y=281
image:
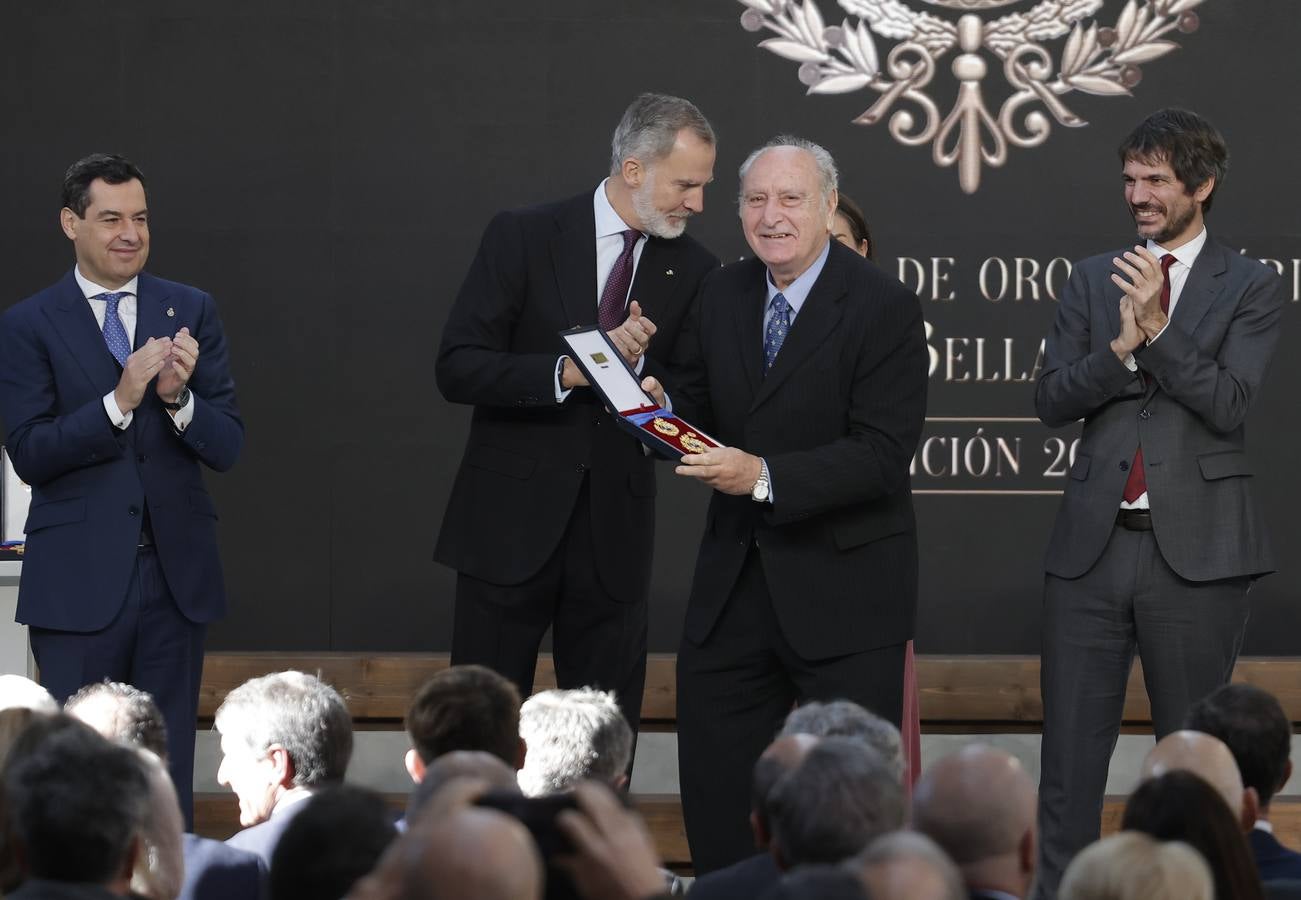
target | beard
x=653, y=221
x=1173, y=227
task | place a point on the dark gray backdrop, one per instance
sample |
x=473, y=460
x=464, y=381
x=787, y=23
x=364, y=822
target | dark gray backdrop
x=325, y=167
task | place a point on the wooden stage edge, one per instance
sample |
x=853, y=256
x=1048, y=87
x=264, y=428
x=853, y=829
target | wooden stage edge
x=958, y=693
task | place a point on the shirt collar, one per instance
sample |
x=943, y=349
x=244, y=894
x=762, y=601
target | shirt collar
x=1186, y=254
x=608, y=222
x=1264, y=825
x=89, y=288
x=798, y=290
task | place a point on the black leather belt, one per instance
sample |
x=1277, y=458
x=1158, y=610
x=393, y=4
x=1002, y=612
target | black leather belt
x=1134, y=519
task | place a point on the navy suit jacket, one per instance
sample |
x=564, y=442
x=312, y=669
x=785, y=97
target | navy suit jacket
x=214, y=871
x=740, y=881
x=92, y=482
x=1274, y=861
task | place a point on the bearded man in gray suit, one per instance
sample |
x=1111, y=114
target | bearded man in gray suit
x=1160, y=349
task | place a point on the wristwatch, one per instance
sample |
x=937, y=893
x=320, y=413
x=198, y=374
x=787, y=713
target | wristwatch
x=181, y=399
x=759, y=493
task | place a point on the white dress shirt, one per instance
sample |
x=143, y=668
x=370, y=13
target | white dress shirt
x=126, y=313
x=609, y=247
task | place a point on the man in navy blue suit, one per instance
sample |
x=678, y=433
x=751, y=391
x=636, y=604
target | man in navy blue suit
x=114, y=387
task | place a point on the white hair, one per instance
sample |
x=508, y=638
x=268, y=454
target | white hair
x=828, y=174
x=571, y=736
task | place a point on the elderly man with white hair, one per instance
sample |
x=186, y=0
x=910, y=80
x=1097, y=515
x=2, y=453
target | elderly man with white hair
x=571, y=736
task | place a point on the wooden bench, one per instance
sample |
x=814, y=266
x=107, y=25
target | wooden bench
x=963, y=695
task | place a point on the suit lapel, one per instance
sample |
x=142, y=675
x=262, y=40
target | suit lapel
x=573, y=254
x=76, y=325
x=656, y=280
x=749, y=311
x=1201, y=288
x=151, y=312
x=817, y=319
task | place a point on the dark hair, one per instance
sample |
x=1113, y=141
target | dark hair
x=858, y=229
x=466, y=708
x=1180, y=806
x=138, y=720
x=818, y=882
x=338, y=837
x=1191, y=145
x=110, y=168
x=1251, y=722
x=838, y=800
x=74, y=801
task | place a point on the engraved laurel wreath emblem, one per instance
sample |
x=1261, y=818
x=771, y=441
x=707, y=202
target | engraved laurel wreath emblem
x=1096, y=59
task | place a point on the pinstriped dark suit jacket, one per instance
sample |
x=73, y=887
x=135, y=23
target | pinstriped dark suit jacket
x=1204, y=372
x=838, y=418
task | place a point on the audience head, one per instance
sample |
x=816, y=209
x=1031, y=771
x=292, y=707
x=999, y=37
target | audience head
x=160, y=873
x=780, y=758
x=818, y=882
x=906, y=865
x=1181, y=806
x=850, y=228
x=836, y=801
x=1254, y=727
x=470, y=852
x=1209, y=758
x=75, y=804
x=979, y=805
x=464, y=708
x=123, y=713
x=17, y=692
x=1134, y=866
x=474, y=764
x=338, y=836
x=280, y=732
x=572, y=736
x=845, y=718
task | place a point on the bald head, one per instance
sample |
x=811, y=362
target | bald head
x=473, y=852
x=781, y=756
x=476, y=764
x=1204, y=756
x=976, y=804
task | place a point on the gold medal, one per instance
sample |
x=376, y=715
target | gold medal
x=693, y=444
x=664, y=426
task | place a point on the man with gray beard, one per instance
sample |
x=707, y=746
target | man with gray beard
x=552, y=509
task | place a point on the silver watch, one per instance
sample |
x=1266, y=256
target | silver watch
x=759, y=493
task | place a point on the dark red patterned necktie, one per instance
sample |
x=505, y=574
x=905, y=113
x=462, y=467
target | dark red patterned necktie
x=609, y=312
x=1136, y=485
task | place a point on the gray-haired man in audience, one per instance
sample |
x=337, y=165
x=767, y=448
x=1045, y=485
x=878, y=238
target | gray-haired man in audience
x=571, y=736
x=283, y=737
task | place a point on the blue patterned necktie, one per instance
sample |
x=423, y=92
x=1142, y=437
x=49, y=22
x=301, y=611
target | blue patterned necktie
x=778, y=324
x=114, y=334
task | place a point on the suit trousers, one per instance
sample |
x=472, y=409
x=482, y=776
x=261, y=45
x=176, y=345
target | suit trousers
x=150, y=645
x=596, y=640
x=1187, y=634
x=734, y=692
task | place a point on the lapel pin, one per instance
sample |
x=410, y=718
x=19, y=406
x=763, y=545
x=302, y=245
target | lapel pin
x=171, y=313
x=668, y=271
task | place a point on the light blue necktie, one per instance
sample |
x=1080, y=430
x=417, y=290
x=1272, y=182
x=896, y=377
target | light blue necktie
x=778, y=324
x=114, y=334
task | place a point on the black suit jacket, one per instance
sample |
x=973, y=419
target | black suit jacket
x=838, y=418
x=527, y=456
x=740, y=881
x=1274, y=861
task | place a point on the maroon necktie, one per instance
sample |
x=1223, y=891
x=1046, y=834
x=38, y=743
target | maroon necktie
x=1136, y=486
x=609, y=312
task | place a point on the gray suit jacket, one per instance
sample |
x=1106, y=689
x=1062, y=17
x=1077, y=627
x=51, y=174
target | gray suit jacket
x=1202, y=375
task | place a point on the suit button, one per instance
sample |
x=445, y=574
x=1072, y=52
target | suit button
x=1145, y=414
x=133, y=510
x=142, y=458
x=1124, y=466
